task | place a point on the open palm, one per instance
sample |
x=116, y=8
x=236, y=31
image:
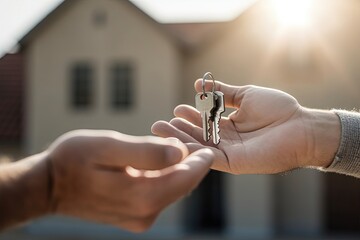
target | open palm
x=266, y=133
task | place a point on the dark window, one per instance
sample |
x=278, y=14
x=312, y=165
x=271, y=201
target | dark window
x=121, y=86
x=342, y=204
x=82, y=86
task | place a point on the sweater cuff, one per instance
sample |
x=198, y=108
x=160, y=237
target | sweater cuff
x=347, y=158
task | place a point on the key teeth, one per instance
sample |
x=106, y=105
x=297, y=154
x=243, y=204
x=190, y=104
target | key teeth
x=209, y=130
x=218, y=132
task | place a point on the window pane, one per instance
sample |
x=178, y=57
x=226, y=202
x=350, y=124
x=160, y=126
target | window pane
x=82, y=89
x=121, y=86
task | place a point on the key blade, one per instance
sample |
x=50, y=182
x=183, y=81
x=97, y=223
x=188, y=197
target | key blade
x=220, y=108
x=216, y=131
x=206, y=126
x=205, y=104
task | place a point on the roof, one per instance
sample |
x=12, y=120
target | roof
x=187, y=35
x=11, y=96
x=63, y=6
x=192, y=35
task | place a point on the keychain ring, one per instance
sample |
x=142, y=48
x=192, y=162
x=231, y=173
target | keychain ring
x=206, y=75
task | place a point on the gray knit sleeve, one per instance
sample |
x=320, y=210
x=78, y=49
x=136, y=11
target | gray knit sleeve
x=347, y=158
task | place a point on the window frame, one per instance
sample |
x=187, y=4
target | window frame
x=114, y=86
x=75, y=89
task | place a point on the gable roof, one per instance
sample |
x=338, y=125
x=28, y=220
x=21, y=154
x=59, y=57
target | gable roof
x=192, y=35
x=66, y=4
x=188, y=35
x=40, y=25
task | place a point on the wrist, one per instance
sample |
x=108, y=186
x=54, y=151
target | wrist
x=324, y=130
x=25, y=190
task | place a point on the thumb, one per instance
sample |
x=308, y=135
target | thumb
x=182, y=178
x=232, y=94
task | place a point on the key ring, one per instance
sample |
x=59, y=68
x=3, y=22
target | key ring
x=208, y=74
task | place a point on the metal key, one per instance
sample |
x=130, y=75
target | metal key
x=205, y=103
x=216, y=116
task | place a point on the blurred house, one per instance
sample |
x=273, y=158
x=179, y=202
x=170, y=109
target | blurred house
x=106, y=64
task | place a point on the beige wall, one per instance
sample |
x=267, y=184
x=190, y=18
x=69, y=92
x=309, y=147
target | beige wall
x=128, y=35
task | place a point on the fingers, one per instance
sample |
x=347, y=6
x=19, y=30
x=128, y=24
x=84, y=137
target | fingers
x=189, y=113
x=190, y=129
x=145, y=194
x=232, y=94
x=183, y=177
x=165, y=129
x=191, y=135
x=149, y=152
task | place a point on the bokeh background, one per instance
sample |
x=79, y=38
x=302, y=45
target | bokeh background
x=122, y=65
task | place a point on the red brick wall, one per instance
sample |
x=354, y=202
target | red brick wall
x=11, y=97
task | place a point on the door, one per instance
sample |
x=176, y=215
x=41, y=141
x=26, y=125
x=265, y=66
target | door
x=205, y=207
x=343, y=204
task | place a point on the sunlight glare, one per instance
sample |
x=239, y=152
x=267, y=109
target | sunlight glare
x=293, y=13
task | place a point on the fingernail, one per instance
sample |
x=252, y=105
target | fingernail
x=174, y=154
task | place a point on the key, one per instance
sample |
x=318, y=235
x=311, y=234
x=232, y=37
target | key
x=216, y=116
x=205, y=104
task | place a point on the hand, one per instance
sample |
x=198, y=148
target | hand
x=269, y=131
x=118, y=179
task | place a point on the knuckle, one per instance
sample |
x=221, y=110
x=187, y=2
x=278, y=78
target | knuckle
x=69, y=139
x=175, y=120
x=155, y=152
x=250, y=86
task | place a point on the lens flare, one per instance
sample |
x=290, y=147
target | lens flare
x=293, y=13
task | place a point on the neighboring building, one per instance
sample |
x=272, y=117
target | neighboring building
x=106, y=64
x=11, y=105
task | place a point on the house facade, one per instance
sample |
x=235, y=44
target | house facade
x=107, y=65
x=79, y=60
